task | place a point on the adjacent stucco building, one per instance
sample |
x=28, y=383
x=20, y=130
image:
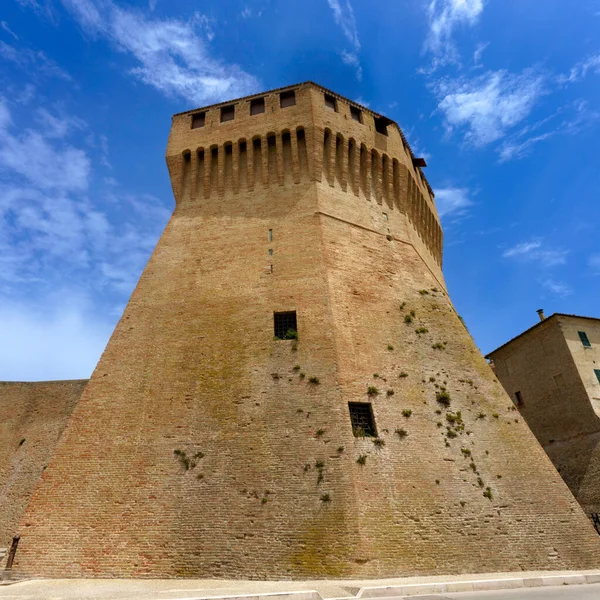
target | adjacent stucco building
x=552, y=373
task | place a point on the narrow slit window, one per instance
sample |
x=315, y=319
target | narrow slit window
x=285, y=325
x=584, y=339
x=597, y=371
x=330, y=102
x=227, y=113
x=287, y=99
x=381, y=125
x=198, y=120
x=270, y=235
x=257, y=106
x=362, y=420
x=355, y=113
x=519, y=399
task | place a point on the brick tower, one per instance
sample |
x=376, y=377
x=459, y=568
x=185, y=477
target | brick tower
x=211, y=443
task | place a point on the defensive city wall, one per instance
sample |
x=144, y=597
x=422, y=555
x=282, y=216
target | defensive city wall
x=366, y=438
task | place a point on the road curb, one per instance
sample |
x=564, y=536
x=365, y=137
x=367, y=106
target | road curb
x=417, y=589
x=478, y=585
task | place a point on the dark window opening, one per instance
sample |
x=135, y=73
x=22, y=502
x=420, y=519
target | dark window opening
x=198, y=120
x=257, y=106
x=597, y=371
x=287, y=99
x=519, y=399
x=285, y=325
x=355, y=113
x=330, y=102
x=227, y=113
x=362, y=420
x=381, y=124
x=584, y=339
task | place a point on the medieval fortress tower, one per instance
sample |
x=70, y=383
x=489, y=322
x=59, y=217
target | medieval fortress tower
x=290, y=392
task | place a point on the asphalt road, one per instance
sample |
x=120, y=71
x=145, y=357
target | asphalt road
x=565, y=592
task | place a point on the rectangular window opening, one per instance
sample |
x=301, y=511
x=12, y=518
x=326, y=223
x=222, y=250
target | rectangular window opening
x=362, y=420
x=584, y=339
x=227, y=113
x=287, y=99
x=285, y=325
x=270, y=235
x=330, y=102
x=355, y=113
x=597, y=371
x=381, y=124
x=519, y=399
x=257, y=106
x=198, y=120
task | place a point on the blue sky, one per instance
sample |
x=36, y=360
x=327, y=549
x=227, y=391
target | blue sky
x=500, y=96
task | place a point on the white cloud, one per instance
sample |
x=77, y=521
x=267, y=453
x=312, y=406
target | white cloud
x=487, y=107
x=444, y=17
x=479, y=53
x=581, y=69
x=594, y=262
x=52, y=230
x=520, y=149
x=577, y=117
x=8, y=30
x=343, y=15
x=172, y=55
x=535, y=251
x=557, y=287
x=452, y=201
x=36, y=63
x=64, y=342
x=31, y=155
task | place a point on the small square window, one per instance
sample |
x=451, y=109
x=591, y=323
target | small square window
x=287, y=99
x=355, y=113
x=584, y=339
x=285, y=325
x=330, y=102
x=257, y=106
x=597, y=371
x=519, y=399
x=198, y=120
x=361, y=419
x=227, y=113
x=381, y=124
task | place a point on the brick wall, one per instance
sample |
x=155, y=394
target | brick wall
x=33, y=416
x=192, y=376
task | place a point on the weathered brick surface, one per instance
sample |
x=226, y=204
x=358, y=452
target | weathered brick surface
x=561, y=397
x=193, y=367
x=32, y=417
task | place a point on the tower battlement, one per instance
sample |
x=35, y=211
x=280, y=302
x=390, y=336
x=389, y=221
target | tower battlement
x=298, y=135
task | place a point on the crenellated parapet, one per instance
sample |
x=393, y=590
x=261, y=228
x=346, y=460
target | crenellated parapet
x=300, y=135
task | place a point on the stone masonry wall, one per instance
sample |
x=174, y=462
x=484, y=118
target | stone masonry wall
x=33, y=416
x=553, y=372
x=204, y=447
